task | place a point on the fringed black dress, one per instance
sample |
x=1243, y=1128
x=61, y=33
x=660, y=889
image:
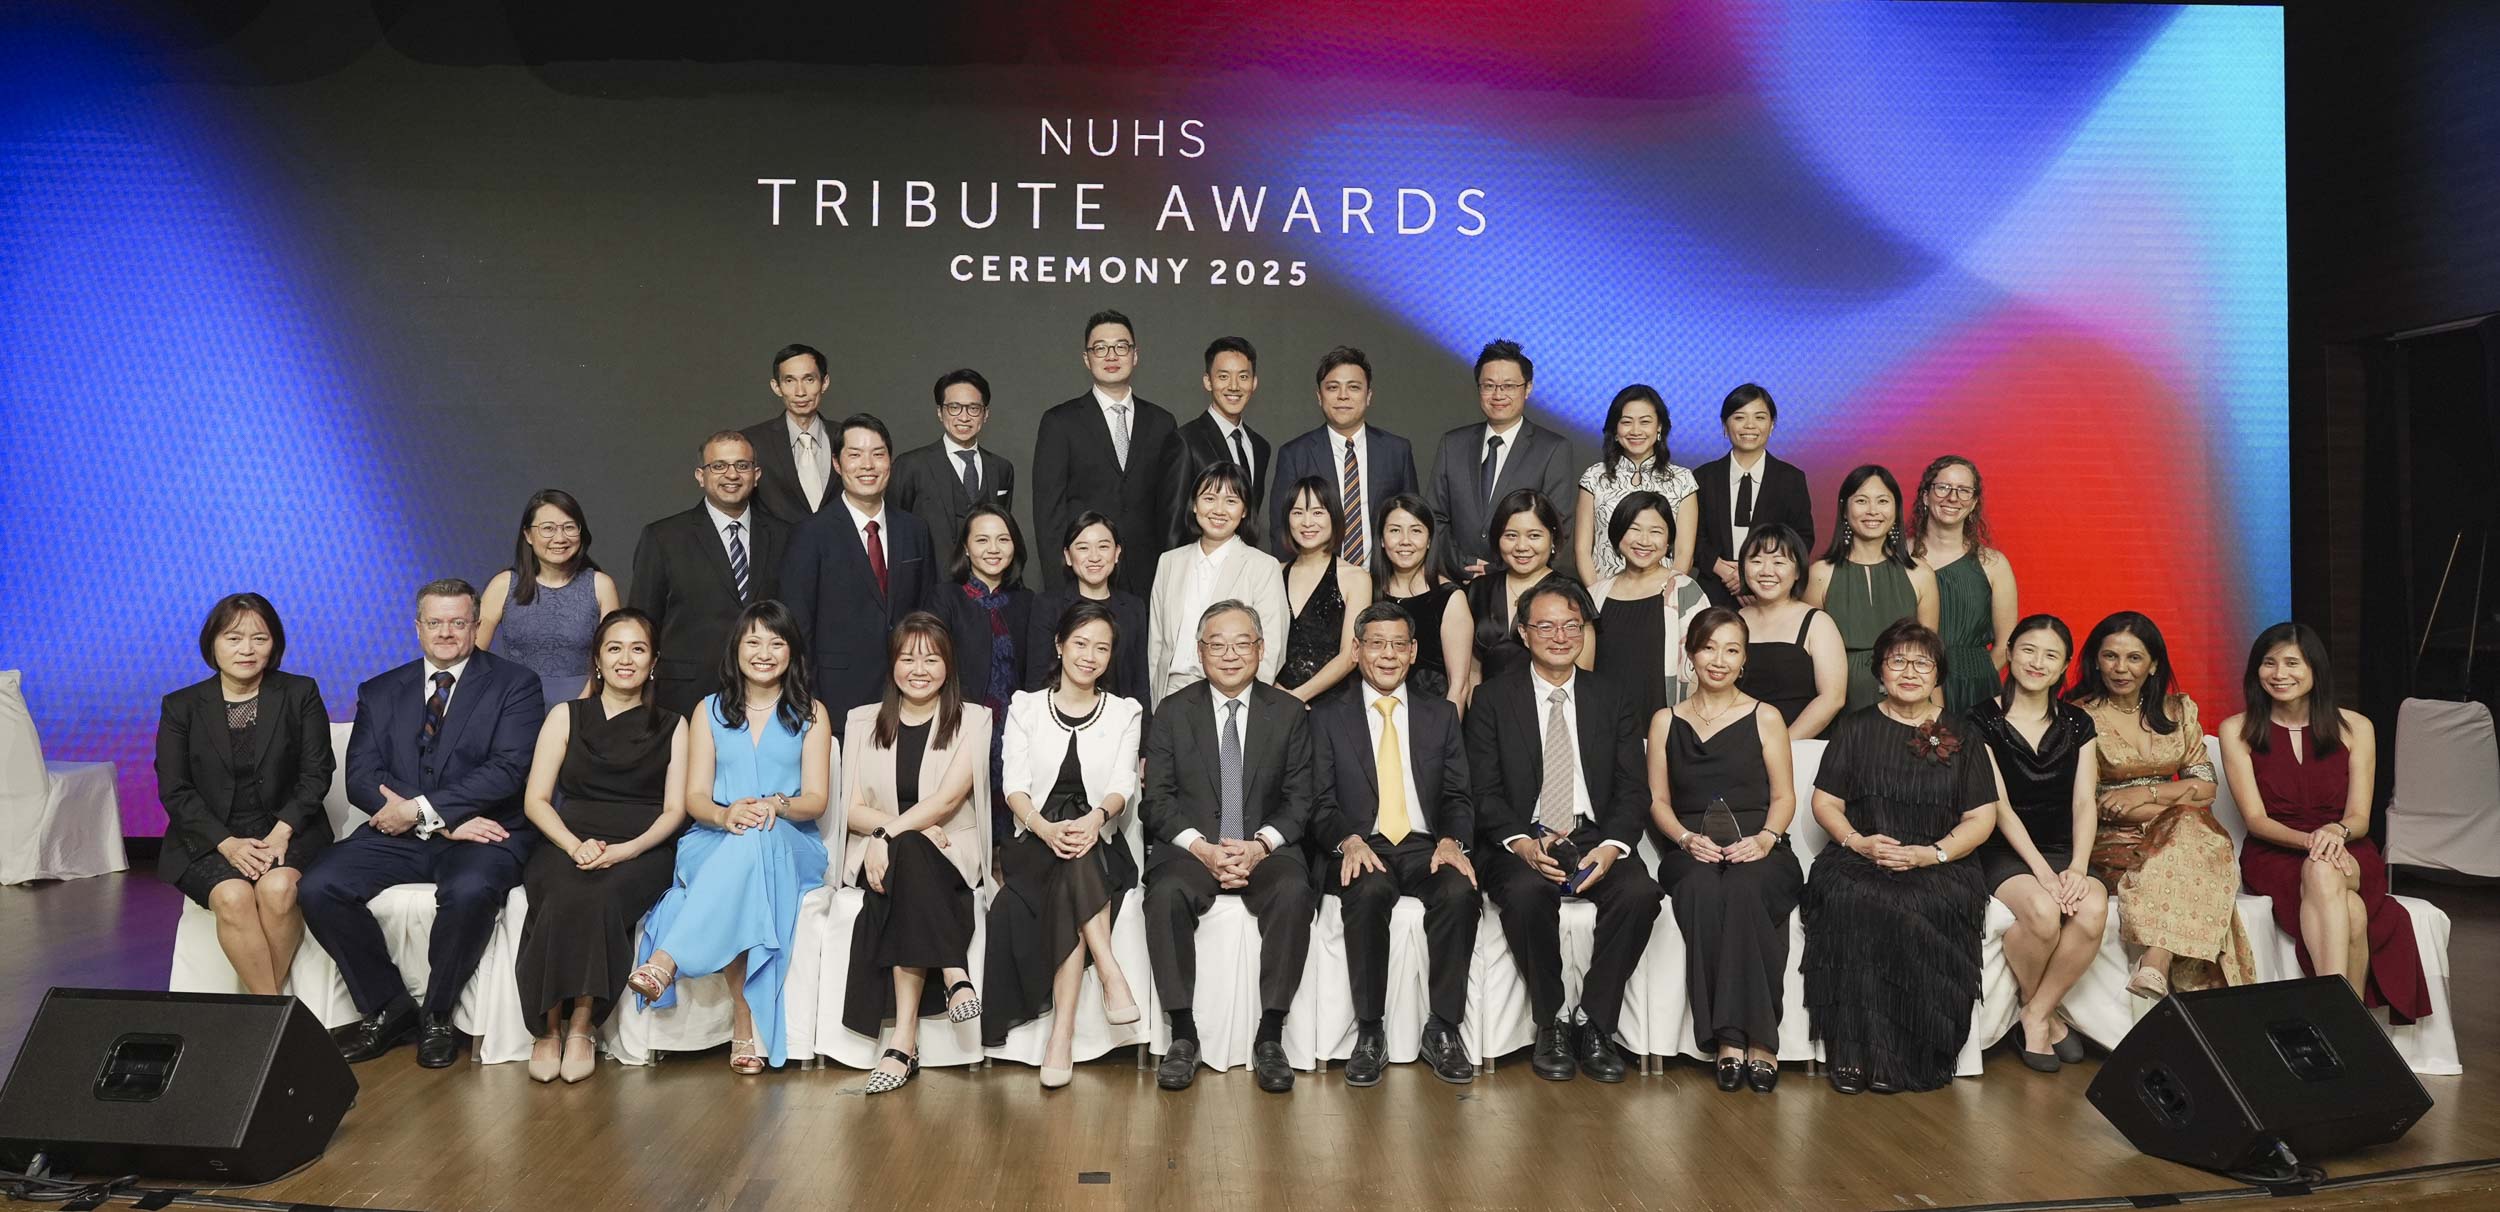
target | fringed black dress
x=1892, y=957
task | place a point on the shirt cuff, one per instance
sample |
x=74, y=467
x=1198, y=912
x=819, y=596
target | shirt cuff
x=1621, y=850
x=1275, y=841
x=1188, y=838
x=1512, y=838
x=429, y=822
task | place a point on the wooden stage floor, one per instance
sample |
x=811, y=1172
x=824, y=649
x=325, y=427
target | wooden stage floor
x=688, y=1134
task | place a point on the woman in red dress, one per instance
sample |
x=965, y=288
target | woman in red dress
x=2302, y=770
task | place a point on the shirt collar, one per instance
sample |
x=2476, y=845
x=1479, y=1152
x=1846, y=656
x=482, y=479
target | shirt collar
x=1218, y=696
x=814, y=428
x=1104, y=400
x=457, y=670
x=954, y=448
x=1372, y=697
x=1338, y=441
x=1737, y=468
x=1509, y=436
x=860, y=521
x=721, y=521
x=1224, y=425
x=1544, y=689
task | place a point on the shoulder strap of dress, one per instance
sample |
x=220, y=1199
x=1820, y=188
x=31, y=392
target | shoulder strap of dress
x=1804, y=625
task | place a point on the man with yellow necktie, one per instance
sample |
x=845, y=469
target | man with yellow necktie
x=1393, y=789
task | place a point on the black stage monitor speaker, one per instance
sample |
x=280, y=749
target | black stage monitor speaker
x=2219, y=1078
x=178, y=1085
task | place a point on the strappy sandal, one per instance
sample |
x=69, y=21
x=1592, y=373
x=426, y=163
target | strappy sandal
x=651, y=981
x=2149, y=982
x=966, y=1010
x=744, y=1057
x=881, y=1082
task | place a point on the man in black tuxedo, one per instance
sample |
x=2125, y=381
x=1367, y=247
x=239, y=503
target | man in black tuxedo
x=1366, y=464
x=1393, y=792
x=1562, y=794
x=694, y=571
x=941, y=482
x=855, y=570
x=1227, y=801
x=1108, y=450
x=1221, y=434
x=439, y=756
x=792, y=448
x=1480, y=463
x=1748, y=488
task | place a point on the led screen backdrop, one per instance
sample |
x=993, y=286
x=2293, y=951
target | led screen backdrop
x=316, y=325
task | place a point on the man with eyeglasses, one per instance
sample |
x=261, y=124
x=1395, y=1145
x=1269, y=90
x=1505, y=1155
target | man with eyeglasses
x=1481, y=462
x=1109, y=450
x=438, y=758
x=1394, y=795
x=1561, y=796
x=792, y=449
x=1221, y=434
x=694, y=571
x=940, y=483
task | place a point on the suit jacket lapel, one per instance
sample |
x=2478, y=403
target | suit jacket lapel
x=1596, y=728
x=716, y=555
x=274, y=713
x=854, y=545
x=467, y=698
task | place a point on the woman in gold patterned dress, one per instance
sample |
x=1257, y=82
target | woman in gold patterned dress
x=2159, y=849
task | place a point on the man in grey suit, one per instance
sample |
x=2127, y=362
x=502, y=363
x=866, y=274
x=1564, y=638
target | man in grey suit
x=939, y=483
x=1480, y=463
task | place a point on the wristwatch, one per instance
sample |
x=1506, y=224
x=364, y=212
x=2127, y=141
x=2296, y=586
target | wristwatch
x=1941, y=857
x=879, y=833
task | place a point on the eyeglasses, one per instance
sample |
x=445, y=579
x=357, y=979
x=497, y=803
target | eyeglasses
x=1238, y=648
x=963, y=410
x=557, y=530
x=1371, y=646
x=1549, y=630
x=1953, y=492
x=1910, y=664
x=722, y=467
x=1111, y=349
x=1498, y=390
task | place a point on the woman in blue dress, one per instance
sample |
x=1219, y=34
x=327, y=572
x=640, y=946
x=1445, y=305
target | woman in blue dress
x=546, y=605
x=760, y=772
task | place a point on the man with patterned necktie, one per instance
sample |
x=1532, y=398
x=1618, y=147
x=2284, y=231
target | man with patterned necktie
x=1364, y=463
x=1230, y=826
x=1110, y=451
x=854, y=571
x=1561, y=796
x=694, y=571
x=942, y=481
x=1393, y=791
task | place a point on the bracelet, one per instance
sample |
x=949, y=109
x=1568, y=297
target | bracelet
x=2339, y=825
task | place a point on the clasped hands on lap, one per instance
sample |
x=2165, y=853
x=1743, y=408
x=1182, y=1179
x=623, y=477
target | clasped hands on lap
x=257, y=856
x=1232, y=860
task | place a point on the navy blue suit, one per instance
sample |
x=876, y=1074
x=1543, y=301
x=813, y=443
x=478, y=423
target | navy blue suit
x=1390, y=462
x=826, y=583
x=476, y=766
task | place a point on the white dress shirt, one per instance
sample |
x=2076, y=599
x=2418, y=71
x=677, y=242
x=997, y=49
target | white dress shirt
x=1418, y=813
x=955, y=462
x=1267, y=833
x=1123, y=429
x=1581, y=807
x=1338, y=444
x=859, y=526
x=720, y=528
x=430, y=822
x=813, y=465
x=1736, y=473
x=1510, y=446
x=1249, y=450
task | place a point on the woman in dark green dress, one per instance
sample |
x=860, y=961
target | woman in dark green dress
x=1974, y=581
x=1867, y=579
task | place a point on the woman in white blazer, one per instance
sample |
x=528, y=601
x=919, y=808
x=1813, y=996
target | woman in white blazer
x=915, y=777
x=1220, y=566
x=1070, y=778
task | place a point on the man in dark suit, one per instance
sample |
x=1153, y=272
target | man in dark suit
x=440, y=752
x=1479, y=464
x=1366, y=464
x=1227, y=801
x=1221, y=434
x=855, y=570
x=1108, y=450
x=1561, y=797
x=1393, y=793
x=1748, y=488
x=694, y=571
x=792, y=447
x=941, y=482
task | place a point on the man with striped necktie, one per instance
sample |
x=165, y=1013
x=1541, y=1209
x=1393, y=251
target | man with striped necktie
x=694, y=571
x=1367, y=464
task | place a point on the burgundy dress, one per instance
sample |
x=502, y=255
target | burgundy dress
x=2308, y=795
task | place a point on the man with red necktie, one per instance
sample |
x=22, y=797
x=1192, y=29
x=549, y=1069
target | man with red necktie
x=853, y=572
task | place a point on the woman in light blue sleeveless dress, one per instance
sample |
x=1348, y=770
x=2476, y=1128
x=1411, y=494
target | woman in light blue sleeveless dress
x=759, y=775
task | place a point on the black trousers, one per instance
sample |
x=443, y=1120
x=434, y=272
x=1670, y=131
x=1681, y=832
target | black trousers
x=1451, y=913
x=1627, y=903
x=470, y=880
x=1180, y=890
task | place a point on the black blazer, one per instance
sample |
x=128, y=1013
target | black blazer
x=826, y=583
x=930, y=483
x=1348, y=802
x=682, y=580
x=1182, y=792
x=1782, y=496
x=1075, y=468
x=779, y=491
x=1541, y=459
x=479, y=763
x=969, y=627
x=1506, y=755
x=1200, y=444
x=1390, y=464
x=1127, y=675
x=195, y=778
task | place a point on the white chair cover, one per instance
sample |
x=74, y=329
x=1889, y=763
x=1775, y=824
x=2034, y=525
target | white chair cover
x=58, y=820
x=1501, y=1017
x=2445, y=812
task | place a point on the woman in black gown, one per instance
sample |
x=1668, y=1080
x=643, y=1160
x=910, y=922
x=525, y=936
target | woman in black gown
x=607, y=855
x=1797, y=661
x=1721, y=789
x=1071, y=771
x=1445, y=633
x=1645, y=611
x=1324, y=592
x=1091, y=550
x=1893, y=912
x=1522, y=537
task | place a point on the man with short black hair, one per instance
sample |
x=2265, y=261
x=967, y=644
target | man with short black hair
x=1479, y=463
x=1221, y=434
x=855, y=570
x=1364, y=463
x=694, y=571
x=942, y=481
x=1108, y=450
x=793, y=449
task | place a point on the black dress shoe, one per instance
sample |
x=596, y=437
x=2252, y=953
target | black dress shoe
x=1881, y=1085
x=376, y=1033
x=1763, y=1076
x=1552, y=1060
x=1446, y=1055
x=2070, y=1049
x=1371, y=1055
x=1848, y=1079
x=1268, y=1061
x=1179, y=1067
x=1731, y=1073
x=1598, y=1057
x=438, y=1043
x=2038, y=1062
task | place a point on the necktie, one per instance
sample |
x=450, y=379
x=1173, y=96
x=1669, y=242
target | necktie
x=811, y=472
x=435, y=705
x=1492, y=468
x=1553, y=797
x=1228, y=770
x=738, y=561
x=876, y=558
x=1394, y=825
x=1241, y=455
x=1744, y=500
x=1119, y=434
x=1352, y=500
x=972, y=473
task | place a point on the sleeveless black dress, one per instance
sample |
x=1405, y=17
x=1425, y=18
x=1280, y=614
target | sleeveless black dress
x=1734, y=915
x=1431, y=674
x=1314, y=638
x=578, y=940
x=1781, y=672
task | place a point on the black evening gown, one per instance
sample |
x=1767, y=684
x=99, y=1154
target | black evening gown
x=1498, y=650
x=1734, y=915
x=1781, y=672
x=578, y=940
x=1431, y=673
x=2039, y=785
x=1632, y=651
x=1892, y=957
x=1314, y=637
x=923, y=919
x=1044, y=902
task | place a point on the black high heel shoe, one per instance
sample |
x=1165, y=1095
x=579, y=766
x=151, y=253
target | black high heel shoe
x=1848, y=1079
x=1731, y=1073
x=1763, y=1076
